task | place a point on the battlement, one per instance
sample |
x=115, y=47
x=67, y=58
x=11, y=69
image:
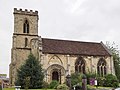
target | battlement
x=25, y=12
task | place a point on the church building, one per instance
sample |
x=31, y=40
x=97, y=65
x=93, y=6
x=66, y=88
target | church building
x=58, y=57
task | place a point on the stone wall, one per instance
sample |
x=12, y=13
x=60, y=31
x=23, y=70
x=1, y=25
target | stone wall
x=68, y=63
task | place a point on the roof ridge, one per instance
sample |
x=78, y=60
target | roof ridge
x=72, y=40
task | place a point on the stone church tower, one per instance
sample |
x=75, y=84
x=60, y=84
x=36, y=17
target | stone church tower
x=25, y=39
x=59, y=58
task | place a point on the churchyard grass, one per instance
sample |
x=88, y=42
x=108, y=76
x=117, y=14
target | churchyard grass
x=24, y=89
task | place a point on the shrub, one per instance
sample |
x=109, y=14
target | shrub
x=111, y=81
x=53, y=84
x=62, y=87
x=76, y=78
x=101, y=81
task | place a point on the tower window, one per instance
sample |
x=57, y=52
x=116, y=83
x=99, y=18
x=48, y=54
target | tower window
x=26, y=27
x=26, y=42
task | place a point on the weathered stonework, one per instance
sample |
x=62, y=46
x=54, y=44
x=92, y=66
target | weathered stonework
x=69, y=60
x=19, y=51
x=61, y=64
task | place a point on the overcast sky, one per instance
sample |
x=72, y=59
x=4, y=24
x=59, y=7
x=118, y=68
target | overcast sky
x=81, y=20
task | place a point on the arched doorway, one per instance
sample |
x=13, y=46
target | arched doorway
x=55, y=72
x=55, y=75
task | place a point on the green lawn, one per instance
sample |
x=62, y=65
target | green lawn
x=93, y=87
x=24, y=89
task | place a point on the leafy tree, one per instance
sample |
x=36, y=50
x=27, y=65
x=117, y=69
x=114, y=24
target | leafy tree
x=30, y=75
x=116, y=59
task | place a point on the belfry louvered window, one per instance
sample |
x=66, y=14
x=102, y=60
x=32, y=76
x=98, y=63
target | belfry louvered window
x=26, y=27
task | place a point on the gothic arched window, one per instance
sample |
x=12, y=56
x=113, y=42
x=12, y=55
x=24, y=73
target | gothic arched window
x=26, y=27
x=26, y=42
x=80, y=65
x=101, y=67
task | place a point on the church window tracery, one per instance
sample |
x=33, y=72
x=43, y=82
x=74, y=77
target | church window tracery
x=80, y=65
x=101, y=67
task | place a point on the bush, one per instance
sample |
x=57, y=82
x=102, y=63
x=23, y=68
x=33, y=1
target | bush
x=101, y=81
x=76, y=78
x=53, y=84
x=111, y=81
x=62, y=87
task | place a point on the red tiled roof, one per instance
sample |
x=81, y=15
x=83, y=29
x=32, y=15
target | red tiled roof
x=55, y=46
